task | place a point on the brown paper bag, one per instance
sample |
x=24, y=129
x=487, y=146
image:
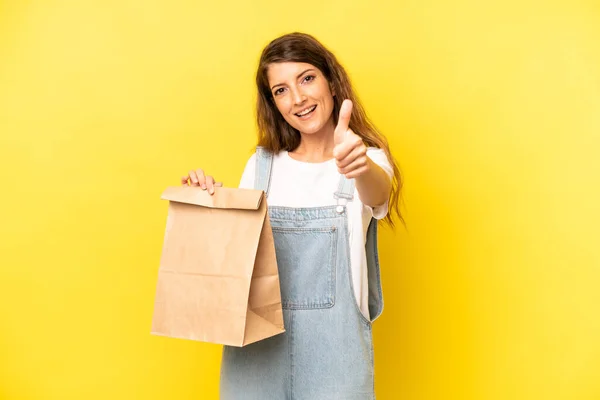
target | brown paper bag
x=218, y=280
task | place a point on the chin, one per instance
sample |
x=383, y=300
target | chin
x=309, y=130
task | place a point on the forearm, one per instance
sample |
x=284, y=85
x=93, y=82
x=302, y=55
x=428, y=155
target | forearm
x=374, y=185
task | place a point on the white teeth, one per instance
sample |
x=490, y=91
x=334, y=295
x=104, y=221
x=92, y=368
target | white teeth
x=306, y=111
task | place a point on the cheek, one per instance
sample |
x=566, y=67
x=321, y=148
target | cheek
x=327, y=95
x=282, y=106
x=329, y=103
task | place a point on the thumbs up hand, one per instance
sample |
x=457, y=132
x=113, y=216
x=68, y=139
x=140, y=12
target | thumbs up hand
x=349, y=150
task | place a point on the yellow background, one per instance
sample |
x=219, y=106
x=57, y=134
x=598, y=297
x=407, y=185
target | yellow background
x=493, y=109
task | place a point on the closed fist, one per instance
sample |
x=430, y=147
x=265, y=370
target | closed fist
x=349, y=150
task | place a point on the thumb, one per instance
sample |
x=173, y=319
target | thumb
x=343, y=121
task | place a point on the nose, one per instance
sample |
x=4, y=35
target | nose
x=298, y=96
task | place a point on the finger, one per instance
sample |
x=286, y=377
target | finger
x=201, y=178
x=343, y=121
x=352, y=141
x=356, y=173
x=210, y=184
x=351, y=156
x=184, y=180
x=193, y=178
x=358, y=163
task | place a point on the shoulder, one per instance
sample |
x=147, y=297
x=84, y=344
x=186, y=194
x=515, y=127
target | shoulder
x=247, y=180
x=251, y=161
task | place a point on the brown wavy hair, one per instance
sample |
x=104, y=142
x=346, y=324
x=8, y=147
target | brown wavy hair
x=275, y=134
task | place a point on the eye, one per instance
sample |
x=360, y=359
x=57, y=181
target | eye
x=309, y=78
x=278, y=91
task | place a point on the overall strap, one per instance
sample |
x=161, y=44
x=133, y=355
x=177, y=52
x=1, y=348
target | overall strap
x=262, y=173
x=344, y=193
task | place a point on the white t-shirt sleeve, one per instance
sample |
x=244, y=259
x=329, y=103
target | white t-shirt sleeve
x=379, y=157
x=247, y=180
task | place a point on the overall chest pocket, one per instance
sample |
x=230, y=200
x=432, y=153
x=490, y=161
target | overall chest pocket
x=306, y=262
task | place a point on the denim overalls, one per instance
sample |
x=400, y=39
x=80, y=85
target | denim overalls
x=326, y=352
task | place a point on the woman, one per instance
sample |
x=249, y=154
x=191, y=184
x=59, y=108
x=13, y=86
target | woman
x=329, y=176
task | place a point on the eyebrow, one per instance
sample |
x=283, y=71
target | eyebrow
x=299, y=75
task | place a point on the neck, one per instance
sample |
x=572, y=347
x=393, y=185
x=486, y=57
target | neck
x=316, y=147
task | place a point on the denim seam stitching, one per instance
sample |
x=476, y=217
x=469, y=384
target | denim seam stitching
x=292, y=356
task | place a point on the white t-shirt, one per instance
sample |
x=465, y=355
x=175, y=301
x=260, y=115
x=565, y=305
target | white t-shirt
x=301, y=184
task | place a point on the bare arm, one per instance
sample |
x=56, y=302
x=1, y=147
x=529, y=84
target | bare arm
x=374, y=185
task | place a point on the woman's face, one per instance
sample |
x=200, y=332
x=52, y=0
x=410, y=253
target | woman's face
x=302, y=96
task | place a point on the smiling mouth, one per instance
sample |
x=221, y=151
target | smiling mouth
x=306, y=112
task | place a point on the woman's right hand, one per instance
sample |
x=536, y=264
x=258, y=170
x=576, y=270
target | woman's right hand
x=198, y=178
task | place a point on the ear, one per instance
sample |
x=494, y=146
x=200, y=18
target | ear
x=332, y=90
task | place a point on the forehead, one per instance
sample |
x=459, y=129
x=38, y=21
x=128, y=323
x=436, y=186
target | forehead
x=284, y=71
